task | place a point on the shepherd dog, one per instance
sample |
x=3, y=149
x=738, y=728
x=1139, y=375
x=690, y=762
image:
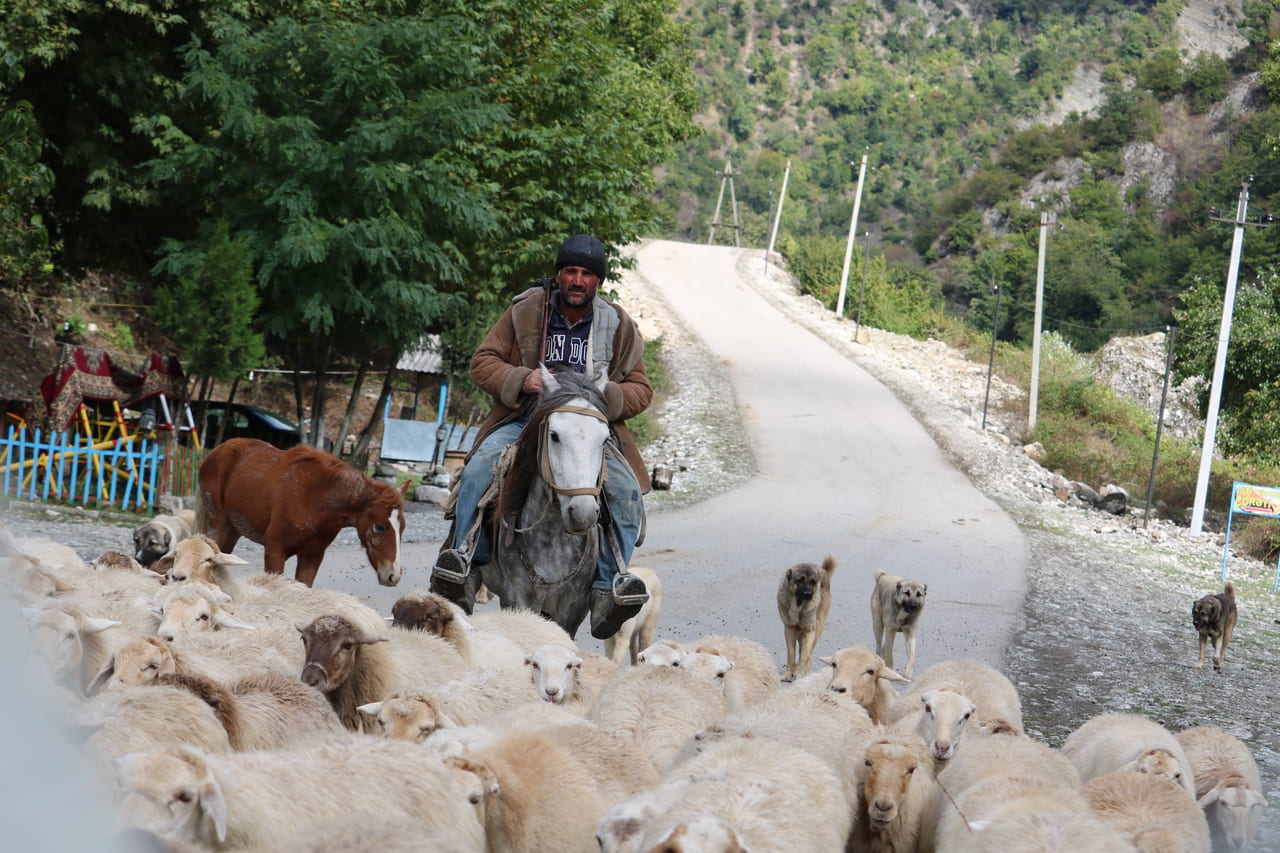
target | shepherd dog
x=804, y=599
x=896, y=605
x=161, y=535
x=1214, y=617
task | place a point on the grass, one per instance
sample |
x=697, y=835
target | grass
x=644, y=427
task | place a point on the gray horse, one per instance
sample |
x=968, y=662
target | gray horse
x=547, y=535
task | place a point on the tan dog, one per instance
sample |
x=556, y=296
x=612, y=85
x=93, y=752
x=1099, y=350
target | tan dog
x=896, y=604
x=804, y=599
x=1215, y=618
x=159, y=536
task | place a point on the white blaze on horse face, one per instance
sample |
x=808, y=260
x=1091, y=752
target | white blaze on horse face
x=575, y=455
x=389, y=570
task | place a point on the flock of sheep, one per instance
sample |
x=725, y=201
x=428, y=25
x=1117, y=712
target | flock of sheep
x=229, y=710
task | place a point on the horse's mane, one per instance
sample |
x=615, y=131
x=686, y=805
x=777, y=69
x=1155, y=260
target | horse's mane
x=346, y=482
x=526, y=466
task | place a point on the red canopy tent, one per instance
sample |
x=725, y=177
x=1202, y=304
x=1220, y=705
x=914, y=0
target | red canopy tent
x=91, y=374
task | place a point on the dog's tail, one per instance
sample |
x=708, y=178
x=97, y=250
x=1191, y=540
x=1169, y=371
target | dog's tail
x=1229, y=589
x=829, y=565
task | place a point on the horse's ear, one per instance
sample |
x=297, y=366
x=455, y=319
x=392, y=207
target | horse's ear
x=404, y=488
x=549, y=383
x=601, y=379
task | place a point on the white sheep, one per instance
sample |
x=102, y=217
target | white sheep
x=658, y=707
x=661, y=653
x=264, y=711
x=435, y=614
x=70, y=642
x=1109, y=742
x=222, y=657
x=637, y=633
x=948, y=696
x=1001, y=785
x=354, y=667
x=192, y=608
x=1227, y=785
x=566, y=677
x=537, y=795
x=133, y=719
x=754, y=676
x=530, y=718
x=263, y=598
x=862, y=674
x=359, y=833
x=894, y=780
x=262, y=799
x=471, y=699
x=525, y=628
x=1156, y=814
x=770, y=795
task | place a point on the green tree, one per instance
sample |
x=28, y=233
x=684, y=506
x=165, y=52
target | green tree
x=219, y=285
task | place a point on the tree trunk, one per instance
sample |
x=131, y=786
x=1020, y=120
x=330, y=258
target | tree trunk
x=318, y=400
x=202, y=410
x=349, y=415
x=366, y=436
x=227, y=413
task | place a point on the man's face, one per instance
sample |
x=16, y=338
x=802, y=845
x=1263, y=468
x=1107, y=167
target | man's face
x=578, y=285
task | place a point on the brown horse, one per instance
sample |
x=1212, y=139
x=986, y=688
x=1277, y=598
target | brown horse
x=294, y=502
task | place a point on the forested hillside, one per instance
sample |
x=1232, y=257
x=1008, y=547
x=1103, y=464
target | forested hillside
x=1133, y=124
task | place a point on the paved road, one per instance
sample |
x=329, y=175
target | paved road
x=844, y=469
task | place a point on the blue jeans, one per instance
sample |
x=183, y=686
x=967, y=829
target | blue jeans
x=622, y=493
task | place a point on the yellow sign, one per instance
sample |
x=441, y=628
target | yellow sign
x=1256, y=500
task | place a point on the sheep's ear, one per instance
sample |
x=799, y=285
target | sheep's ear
x=1208, y=798
x=444, y=721
x=1256, y=798
x=390, y=619
x=214, y=807
x=828, y=661
x=226, y=620
x=102, y=677
x=94, y=625
x=230, y=560
x=370, y=708
x=892, y=675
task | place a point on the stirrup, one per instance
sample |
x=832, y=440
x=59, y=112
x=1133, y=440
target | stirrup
x=452, y=566
x=632, y=598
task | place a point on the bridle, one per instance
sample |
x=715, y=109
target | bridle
x=545, y=460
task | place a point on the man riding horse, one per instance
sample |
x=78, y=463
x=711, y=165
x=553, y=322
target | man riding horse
x=561, y=322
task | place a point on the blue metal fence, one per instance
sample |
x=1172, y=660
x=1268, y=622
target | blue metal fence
x=121, y=473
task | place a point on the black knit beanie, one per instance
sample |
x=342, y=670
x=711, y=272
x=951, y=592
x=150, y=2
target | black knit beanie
x=582, y=250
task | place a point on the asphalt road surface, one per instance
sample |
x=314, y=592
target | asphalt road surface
x=843, y=469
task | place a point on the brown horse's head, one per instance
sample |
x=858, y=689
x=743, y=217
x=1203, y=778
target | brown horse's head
x=380, y=526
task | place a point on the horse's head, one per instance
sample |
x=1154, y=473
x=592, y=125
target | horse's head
x=572, y=431
x=381, y=529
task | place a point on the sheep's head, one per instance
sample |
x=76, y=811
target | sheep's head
x=412, y=718
x=554, y=671
x=1162, y=762
x=57, y=636
x=477, y=781
x=885, y=776
x=332, y=647
x=947, y=712
x=171, y=792
x=857, y=671
x=1234, y=811
x=701, y=833
x=707, y=666
x=138, y=662
x=198, y=558
x=194, y=607
x=430, y=613
x=662, y=653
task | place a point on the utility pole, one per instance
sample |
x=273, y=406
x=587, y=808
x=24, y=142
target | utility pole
x=782, y=197
x=726, y=178
x=862, y=295
x=853, y=230
x=1035, y=340
x=1220, y=362
x=766, y=254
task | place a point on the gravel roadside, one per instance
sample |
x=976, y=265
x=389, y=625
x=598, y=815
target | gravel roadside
x=1106, y=624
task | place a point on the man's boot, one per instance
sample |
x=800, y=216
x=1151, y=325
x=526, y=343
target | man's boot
x=449, y=577
x=610, y=608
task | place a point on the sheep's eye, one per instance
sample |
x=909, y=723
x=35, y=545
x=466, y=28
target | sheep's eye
x=928, y=710
x=871, y=672
x=153, y=666
x=204, y=617
x=910, y=770
x=70, y=635
x=675, y=663
x=719, y=675
x=866, y=761
x=346, y=647
x=183, y=797
x=534, y=664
